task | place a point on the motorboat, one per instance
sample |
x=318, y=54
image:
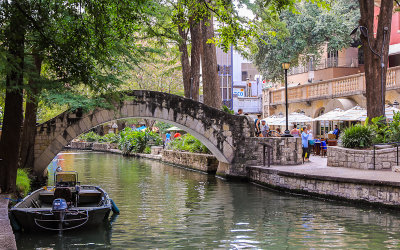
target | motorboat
x=66, y=205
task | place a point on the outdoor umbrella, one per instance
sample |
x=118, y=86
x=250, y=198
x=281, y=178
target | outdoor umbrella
x=174, y=129
x=331, y=115
x=293, y=118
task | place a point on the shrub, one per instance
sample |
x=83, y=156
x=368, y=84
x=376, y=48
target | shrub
x=90, y=137
x=227, y=110
x=188, y=143
x=147, y=150
x=137, y=141
x=23, y=182
x=110, y=137
x=357, y=136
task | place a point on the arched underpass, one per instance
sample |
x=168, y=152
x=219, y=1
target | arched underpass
x=222, y=133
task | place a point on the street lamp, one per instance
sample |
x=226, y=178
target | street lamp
x=364, y=32
x=286, y=66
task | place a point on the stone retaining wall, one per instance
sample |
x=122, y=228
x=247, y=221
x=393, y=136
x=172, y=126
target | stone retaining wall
x=103, y=147
x=362, y=159
x=81, y=145
x=364, y=190
x=156, y=150
x=203, y=162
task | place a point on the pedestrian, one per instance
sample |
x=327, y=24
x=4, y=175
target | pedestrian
x=167, y=139
x=264, y=129
x=304, y=143
x=310, y=139
x=240, y=112
x=177, y=135
x=257, y=124
x=295, y=132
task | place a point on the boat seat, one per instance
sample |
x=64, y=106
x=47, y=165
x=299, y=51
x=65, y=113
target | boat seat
x=63, y=193
x=89, y=196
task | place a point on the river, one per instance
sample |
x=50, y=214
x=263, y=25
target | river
x=163, y=206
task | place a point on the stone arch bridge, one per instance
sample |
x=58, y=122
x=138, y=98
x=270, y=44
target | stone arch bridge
x=223, y=134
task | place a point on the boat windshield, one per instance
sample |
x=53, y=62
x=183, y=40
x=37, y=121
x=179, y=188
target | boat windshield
x=66, y=179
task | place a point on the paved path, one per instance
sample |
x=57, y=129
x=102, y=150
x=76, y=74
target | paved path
x=318, y=169
x=7, y=239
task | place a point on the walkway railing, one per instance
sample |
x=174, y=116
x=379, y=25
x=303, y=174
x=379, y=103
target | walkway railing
x=338, y=87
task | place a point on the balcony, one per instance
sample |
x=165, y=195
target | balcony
x=333, y=62
x=334, y=88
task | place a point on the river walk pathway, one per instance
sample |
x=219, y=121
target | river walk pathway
x=7, y=239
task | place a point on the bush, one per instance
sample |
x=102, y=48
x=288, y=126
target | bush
x=147, y=150
x=23, y=182
x=188, y=143
x=90, y=137
x=110, y=137
x=227, y=110
x=357, y=136
x=137, y=141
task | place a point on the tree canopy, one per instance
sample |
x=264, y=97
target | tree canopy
x=301, y=33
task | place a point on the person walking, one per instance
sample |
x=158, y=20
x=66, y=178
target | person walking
x=304, y=142
x=240, y=112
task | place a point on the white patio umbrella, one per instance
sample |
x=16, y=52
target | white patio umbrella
x=356, y=113
x=331, y=115
x=389, y=112
x=293, y=118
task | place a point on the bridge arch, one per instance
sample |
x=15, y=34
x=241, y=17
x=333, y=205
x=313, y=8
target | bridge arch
x=221, y=132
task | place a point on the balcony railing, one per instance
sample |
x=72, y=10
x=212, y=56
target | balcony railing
x=339, y=87
x=332, y=62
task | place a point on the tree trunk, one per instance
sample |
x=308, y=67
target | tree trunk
x=12, y=121
x=184, y=61
x=29, y=129
x=211, y=85
x=375, y=83
x=195, y=33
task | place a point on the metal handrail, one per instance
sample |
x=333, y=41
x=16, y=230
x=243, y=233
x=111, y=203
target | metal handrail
x=269, y=151
x=86, y=219
x=389, y=143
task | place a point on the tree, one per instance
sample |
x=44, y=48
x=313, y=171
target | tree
x=379, y=43
x=302, y=34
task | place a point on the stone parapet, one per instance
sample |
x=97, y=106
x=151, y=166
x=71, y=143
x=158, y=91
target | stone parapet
x=362, y=158
x=345, y=188
x=203, y=162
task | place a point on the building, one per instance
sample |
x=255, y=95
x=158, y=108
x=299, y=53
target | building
x=241, y=84
x=336, y=81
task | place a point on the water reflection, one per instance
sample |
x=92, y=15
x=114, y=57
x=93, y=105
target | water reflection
x=169, y=207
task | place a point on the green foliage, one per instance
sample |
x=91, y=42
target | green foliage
x=380, y=129
x=394, y=128
x=23, y=182
x=147, y=150
x=227, y=110
x=90, y=137
x=357, y=136
x=163, y=126
x=110, y=137
x=188, y=143
x=137, y=141
x=300, y=36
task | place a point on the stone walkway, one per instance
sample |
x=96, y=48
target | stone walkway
x=7, y=239
x=318, y=169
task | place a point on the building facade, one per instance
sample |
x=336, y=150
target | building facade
x=335, y=81
x=241, y=84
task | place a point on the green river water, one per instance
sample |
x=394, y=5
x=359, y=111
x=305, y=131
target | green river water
x=169, y=207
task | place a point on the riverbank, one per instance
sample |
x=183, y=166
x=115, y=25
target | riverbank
x=7, y=239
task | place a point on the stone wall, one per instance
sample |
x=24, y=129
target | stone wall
x=285, y=150
x=362, y=159
x=364, y=190
x=156, y=150
x=103, y=147
x=203, y=162
x=81, y=145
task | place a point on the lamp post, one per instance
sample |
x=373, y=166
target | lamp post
x=286, y=66
x=364, y=32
